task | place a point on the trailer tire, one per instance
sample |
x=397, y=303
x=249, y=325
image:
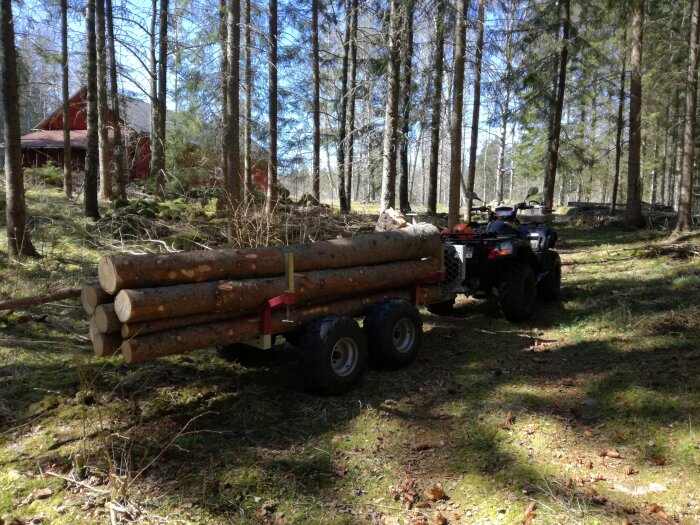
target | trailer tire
x=394, y=329
x=548, y=288
x=517, y=292
x=332, y=353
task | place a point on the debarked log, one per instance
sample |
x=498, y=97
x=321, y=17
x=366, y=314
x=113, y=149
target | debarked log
x=248, y=296
x=186, y=339
x=128, y=271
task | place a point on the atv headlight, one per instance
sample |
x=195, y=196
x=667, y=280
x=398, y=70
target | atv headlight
x=502, y=249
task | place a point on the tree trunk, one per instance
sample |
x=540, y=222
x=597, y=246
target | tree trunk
x=391, y=113
x=350, y=137
x=123, y=271
x=342, y=128
x=633, y=213
x=67, y=166
x=102, y=103
x=232, y=179
x=436, y=106
x=685, y=205
x=18, y=239
x=505, y=113
x=553, y=142
x=243, y=297
x=248, y=119
x=664, y=158
x=91, y=153
x=272, y=112
x=119, y=173
x=162, y=93
x=620, y=123
x=407, y=59
x=186, y=339
x=316, y=163
x=654, y=171
x=223, y=66
x=456, y=116
x=153, y=94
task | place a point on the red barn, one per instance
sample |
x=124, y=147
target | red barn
x=45, y=144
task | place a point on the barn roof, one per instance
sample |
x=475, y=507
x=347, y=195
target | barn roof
x=53, y=139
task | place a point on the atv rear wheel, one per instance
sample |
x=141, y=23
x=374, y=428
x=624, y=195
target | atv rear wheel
x=394, y=329
x=549, y=287
x=517, y=292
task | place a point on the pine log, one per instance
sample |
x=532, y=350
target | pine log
x=127, y=271
x=106, y=345
x=106, y=320
x=92, y=295
x=160, y=325
x=40, y=299
x=186, y=339
x=248, y=296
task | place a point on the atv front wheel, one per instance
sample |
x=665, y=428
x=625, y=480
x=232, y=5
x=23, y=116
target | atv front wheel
x=517, y=292
x=549, y=287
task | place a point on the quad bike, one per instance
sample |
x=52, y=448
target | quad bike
x=510, y=257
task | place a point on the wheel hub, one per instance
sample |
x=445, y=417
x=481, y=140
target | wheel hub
x=344, y=357
x=404, y=335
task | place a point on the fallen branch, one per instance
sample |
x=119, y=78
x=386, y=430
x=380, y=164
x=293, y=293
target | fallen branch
x=40, y=299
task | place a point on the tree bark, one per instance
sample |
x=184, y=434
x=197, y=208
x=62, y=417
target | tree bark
x=223, y=66
x=391, y=114
x=457, y=113
x=124, y=271
x=243, y=297
x=18, y=238
x=153, y=93
x=436, y=106
x=248, y=118
x=186, y=339
x=91, y=153
x=162, y=94
x=102, y=103
x=272, y=111
x=407, y=60
x=474, y=138
x=342, y=128
x=120, y=178
x=316, y=162
x=232, y=179
x=352, y=85
x=67, y=166
x=685, y=204
x=553, y=142
x=620, y=123
x=633, y=212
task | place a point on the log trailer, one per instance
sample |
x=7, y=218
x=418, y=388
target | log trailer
x=154, y=305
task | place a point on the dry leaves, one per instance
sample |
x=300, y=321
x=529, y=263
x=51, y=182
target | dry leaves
x=435, y=493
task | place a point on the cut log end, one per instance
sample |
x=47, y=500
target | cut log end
x=108, y=275
x=106, y=320
x=92, y=295
x=106, y=345
x=122, y=306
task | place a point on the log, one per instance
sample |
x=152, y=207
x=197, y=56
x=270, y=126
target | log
x=248, y=296
x=106, y=320
x=127, y=271
x=187, y=339
x=40, y=299
x=106, y=345
x=92, y=295
x=160, y=325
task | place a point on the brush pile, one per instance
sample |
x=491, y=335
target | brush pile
x=154, y=305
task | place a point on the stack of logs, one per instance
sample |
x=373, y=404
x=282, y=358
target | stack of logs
x=153, y=305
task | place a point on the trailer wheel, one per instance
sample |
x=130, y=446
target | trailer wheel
x=394, y=329
x=332, y=354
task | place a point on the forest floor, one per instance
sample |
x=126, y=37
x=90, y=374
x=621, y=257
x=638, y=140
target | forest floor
x=586, y=414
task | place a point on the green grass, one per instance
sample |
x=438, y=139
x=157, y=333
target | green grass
x=596, y=398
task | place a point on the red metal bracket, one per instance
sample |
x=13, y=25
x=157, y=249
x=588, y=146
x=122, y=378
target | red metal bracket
x=433, y=279
x=286, y=298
